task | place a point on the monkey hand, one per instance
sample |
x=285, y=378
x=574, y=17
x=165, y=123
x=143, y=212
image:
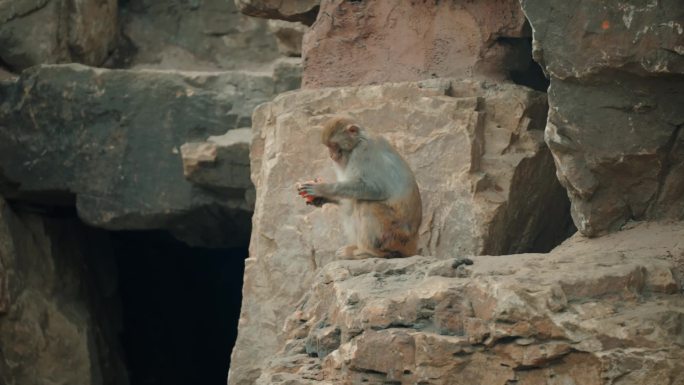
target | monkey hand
x=308, y=190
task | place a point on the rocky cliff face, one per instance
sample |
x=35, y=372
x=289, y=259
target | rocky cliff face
x=615, y=114
x=477, y=149
x=356, y=42
x=119, y=153
x=575, y=315
x=590, y=312
x=55, y=31
x=158, y=141
x=58, y=304
x=163, y=116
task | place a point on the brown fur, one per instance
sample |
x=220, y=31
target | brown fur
x=385, y=216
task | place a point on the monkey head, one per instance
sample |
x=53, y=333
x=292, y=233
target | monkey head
x=341, y=135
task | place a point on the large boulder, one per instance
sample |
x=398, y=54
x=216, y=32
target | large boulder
x=486, y=177
x=616, y=97
x=57, y=31
x=109, y=141
x=193, y=35
x=591, y=312
x=370, y=42
x=59, y=320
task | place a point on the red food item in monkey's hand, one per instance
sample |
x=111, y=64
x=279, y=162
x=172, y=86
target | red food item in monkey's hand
x=310, y=199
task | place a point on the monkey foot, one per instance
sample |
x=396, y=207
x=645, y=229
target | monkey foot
x=346, y=252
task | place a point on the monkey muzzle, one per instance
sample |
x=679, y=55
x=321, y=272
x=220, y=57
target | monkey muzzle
x=335, y=154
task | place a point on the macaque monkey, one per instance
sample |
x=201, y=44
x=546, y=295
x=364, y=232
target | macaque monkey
x=375, y=187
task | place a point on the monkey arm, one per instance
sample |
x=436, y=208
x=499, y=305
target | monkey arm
x=356, y=189
x=316, y=201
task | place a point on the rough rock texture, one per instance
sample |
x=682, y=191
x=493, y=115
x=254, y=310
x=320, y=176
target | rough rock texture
x=368, y=42
x=56, y=31
x=222, y=162
x=291, y=10
x=575, y=40
x=58, y=316
x=486, y=179
x=111, y=140
x=194, y=35
x=288, y=36
x=593, y=311
x=616, y=97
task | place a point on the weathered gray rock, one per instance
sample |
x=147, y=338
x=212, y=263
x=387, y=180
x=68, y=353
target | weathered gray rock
x=288, y=36
x=616, y=97
x=57, y=31
x=56, y=325
x=371, y=42
x=486, y=178
x=619, y=149
x=111, y=140
x=221, y=163
x=574, y=40
x=304, y=11
x=195, y=35
x=590, y=312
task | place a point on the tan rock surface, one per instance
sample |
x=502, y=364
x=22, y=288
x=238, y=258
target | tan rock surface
x=370, y=42
x=221, y=163
x=487, y=183
x=593, y=311
x=56, y=325
x=288, y=36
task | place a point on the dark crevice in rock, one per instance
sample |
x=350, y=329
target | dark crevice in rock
x=123, y=53
x=310, y=17
x=549, y=361
x=532, y=234
x=531, y=75
x=58, y=208
x=369, y=371
x=6, y=66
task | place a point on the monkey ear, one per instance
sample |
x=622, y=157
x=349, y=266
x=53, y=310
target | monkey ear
x=353, y=129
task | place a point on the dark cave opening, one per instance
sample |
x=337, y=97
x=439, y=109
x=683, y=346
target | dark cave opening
x=526, y=71
x=167, y=310
x=180, y=308
x=532, y=75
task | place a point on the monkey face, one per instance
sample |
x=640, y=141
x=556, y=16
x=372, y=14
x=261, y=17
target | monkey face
x=336, y=153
